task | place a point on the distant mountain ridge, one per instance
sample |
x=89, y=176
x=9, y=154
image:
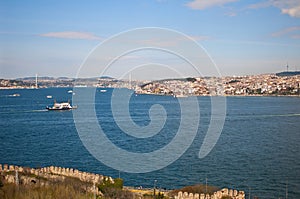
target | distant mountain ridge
x=288, y=73
x=59, y=78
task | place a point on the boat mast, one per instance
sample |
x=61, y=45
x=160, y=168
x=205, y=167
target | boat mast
x=36, y=81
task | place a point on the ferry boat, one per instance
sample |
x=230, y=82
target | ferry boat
x=61, y=106
x=16, y=95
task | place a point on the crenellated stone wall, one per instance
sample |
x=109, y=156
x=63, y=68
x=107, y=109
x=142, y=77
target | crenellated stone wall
x=60, y=173
x=49, y=174
x=234, y=194
x=52, y=171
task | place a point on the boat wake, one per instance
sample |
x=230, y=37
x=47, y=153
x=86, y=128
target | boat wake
x=262, y=116
x=41, y=110
x=23, y=111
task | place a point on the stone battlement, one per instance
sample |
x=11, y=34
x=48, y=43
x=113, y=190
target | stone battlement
x=52, y=171
x=234, y=194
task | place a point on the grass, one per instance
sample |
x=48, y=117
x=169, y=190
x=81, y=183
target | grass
x=55, y=191
x=66, y=188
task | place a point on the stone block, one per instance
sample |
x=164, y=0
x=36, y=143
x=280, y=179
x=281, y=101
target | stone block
x=11, y=167
x=225, y=192
x=52, y=169
x=185, y=195
x=202, y=196
x=235, y=192
x=63, y=171
x=67, y=171
x=71, y=172
x=180, y=194
x=191, y=196
x=230, y=193
x=219, y=194
x=36, y=172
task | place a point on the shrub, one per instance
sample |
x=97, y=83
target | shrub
x=107, y=184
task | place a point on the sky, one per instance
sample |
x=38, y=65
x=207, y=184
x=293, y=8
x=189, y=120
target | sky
x=56, y=38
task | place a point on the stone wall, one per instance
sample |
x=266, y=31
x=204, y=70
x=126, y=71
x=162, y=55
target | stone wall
x=234, y=194
x=59, y=173
x=52, y=173
x=47, y=172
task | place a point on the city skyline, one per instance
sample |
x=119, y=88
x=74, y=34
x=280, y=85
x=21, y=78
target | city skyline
x=53, y=38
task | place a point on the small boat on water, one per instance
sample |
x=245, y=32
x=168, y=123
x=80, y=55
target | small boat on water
x=49, y=96
x=103, y=90
x=61, y=106
x=15, y=95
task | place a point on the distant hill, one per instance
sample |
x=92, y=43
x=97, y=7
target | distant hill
x=33, y=78
x=287, y=73
x=60, y=78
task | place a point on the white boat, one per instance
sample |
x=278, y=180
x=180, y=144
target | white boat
x=180, y=96
x=103, y=91
x=61, y=106
x=70, y=91
x=49, y=96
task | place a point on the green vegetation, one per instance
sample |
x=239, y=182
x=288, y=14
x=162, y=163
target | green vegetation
x=114, y=190
x=107, y=184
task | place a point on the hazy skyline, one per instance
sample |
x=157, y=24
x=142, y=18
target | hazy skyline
x=52, y=38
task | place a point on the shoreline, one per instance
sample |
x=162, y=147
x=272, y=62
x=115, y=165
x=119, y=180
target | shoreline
x=93, y=183
x=226, y=95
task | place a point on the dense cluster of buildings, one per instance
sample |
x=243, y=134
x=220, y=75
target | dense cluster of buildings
x=268, y=84
x=262, y=85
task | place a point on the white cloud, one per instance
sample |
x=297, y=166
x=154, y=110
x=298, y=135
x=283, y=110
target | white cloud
x=290, y=7
x=203, y=4
x=259, y=5
x=71, y=35
x=293, y=12
x=288, y=31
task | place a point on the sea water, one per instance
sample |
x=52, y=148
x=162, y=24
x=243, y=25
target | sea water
x=258, y=150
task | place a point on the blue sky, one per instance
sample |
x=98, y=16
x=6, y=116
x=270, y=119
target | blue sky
x=53, y=38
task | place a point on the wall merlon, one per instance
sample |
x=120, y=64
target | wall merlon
x=217, y=195
x=11, y=168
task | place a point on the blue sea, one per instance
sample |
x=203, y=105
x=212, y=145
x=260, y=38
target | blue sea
x=258, y=150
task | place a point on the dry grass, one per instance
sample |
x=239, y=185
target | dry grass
x=56, y=191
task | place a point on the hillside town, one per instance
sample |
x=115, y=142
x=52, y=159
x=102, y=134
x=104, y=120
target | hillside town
x=265, y=84
x=237, y=85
